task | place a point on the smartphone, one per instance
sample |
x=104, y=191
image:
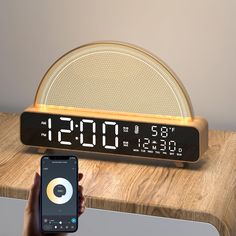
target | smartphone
x=59, y=194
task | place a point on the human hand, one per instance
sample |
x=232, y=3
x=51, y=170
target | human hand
x=31, y=214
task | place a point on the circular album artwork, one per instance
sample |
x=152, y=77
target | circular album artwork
x=59, y=191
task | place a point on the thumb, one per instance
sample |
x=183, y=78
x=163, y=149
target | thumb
x=33, y=201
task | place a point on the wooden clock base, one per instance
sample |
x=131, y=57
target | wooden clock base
x=42, y=150
x=178, y=164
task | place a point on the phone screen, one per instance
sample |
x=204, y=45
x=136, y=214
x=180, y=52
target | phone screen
x=59, y=194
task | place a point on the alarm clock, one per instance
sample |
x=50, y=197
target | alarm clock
x=114, y=98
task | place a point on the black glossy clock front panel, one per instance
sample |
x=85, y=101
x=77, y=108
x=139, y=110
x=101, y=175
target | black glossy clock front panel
x=110, y=136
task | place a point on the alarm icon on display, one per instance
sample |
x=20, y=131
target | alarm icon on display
x=114, y=98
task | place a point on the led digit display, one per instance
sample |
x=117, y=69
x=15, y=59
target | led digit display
x=120, y=137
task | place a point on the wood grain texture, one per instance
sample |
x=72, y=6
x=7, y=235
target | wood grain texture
x=205, y=191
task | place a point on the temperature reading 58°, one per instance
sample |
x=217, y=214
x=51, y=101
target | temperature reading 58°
x=163, y=131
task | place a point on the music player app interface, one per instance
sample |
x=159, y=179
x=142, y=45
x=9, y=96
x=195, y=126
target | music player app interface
x=59, y=194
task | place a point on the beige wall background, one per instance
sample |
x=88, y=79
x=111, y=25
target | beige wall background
x=197, y=39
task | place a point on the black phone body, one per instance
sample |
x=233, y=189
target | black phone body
x=59, y=194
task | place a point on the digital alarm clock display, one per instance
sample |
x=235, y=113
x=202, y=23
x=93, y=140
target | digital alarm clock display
x=152, y=140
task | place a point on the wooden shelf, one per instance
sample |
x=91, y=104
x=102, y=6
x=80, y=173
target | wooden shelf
x=205, y=191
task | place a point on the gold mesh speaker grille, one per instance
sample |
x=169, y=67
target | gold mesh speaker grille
x=114, y=76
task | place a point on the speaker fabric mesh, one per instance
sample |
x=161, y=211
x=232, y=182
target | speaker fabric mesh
x=114, y=77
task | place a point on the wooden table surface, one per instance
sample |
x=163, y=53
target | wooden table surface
x=205, y=191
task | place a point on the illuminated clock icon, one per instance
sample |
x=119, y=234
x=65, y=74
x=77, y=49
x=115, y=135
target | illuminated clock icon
x=59, y=191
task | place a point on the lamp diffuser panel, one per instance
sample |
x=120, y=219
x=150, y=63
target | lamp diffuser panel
x=111, y=76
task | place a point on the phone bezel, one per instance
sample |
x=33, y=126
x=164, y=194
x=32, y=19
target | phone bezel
x=58, y=157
